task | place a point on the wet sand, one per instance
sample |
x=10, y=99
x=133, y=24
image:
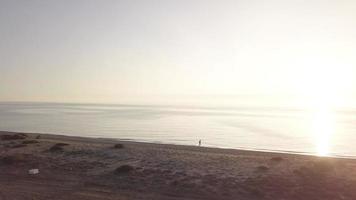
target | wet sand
x=87, y=168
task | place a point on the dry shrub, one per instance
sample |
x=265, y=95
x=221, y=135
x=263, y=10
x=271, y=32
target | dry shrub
x=17, y=136
x=13, y=159
x=123, y=169
x=118, y=146
x=277, y=159
x=262, y=168
x=18, y=145
x=58, y=147
x=61, y=144
x=30, y=142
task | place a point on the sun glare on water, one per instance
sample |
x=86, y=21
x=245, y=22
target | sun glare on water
x=323, y=124
x=325, y=88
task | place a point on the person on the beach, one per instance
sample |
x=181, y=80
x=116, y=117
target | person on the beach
x=199, y=142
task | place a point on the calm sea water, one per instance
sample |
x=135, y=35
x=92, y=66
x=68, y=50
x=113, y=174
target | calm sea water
x=323, y=132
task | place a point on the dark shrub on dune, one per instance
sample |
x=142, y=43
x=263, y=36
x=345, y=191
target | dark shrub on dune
x=302, y=171
x=277, y=159
x=9, y=160
x=17, y=136
x=118, y=146
x=61, y=144
x=30, y=142
x=123, y=169
x=58, y=147
x=18, y=145
x=262, y=168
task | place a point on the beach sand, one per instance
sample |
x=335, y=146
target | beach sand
x=74, y=168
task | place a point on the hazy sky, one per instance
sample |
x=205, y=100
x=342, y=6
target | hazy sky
x=111, y=51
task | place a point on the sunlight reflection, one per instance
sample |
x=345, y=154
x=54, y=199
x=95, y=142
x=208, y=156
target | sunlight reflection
x=322, y=127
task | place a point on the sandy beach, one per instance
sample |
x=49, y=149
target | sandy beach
x=88, y=168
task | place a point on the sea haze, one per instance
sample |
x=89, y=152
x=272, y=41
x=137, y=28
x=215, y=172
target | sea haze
x=282, y=129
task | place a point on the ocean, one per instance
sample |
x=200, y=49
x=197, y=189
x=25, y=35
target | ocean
x=276, y=129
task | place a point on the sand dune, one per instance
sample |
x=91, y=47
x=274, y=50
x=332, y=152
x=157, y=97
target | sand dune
x=84, y=168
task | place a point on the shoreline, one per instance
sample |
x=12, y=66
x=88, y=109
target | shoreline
x=96, y=168
x=224, y=149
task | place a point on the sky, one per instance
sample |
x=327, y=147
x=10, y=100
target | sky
x=113, y=51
